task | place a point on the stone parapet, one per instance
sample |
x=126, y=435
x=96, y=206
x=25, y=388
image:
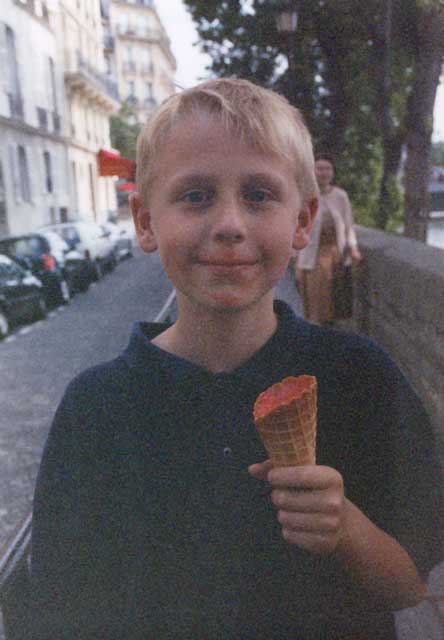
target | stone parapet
x=399, y=302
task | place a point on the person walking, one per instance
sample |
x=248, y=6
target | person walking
x=319, y=266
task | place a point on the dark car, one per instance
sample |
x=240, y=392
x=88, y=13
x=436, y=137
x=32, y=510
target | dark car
x=32, y=251
x=21, y=295
x=75, y=267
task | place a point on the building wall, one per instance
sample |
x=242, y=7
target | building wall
x=31, y=120
x=90, y=102
x=399, y=302
x=144, y=62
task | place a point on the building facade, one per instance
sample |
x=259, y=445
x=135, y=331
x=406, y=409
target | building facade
x=34, y=187
x=65, y=68
x=91, y=97
x=141, y=53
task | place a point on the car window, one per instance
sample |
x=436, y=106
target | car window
x=23, y=247
x=70, y=235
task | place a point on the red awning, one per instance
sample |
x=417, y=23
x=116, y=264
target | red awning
x=111, y=163
x=126, y=186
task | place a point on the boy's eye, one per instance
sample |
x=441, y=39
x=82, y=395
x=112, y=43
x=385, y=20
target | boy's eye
x=257, y=196
x=197, y=197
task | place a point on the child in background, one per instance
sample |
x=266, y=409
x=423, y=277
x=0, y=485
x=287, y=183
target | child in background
x=155, y=514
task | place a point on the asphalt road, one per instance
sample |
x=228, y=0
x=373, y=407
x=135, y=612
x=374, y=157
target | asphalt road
x=38, y=361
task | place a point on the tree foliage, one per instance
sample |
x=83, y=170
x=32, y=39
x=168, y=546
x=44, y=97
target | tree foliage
x=353, y=71
x=124, y=131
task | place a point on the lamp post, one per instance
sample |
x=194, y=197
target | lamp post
x=286, y=25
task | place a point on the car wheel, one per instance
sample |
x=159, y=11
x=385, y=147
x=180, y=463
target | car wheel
x=4, y=325
x=41, y=309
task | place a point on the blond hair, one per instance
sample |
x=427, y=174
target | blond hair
x=259, y=117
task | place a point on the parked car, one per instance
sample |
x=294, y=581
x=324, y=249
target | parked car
x=123, y=243
x=75, y=267
x=92, y=241
x=32, y=251
x=21, y=295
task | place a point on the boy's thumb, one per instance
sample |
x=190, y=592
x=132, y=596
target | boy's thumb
x=260, y=469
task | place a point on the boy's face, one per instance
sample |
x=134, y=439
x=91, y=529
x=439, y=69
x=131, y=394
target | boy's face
x=223, y=216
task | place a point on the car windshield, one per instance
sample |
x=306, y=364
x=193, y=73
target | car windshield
x=23, y=247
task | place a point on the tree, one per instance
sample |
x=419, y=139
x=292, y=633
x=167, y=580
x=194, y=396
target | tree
x=429, y=41
x=363, y=74
x=124, y=131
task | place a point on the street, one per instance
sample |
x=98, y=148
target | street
x=38, y=361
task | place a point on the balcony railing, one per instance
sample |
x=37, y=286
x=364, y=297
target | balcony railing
x=93, y=77
x=132, y=100
x=15, y=105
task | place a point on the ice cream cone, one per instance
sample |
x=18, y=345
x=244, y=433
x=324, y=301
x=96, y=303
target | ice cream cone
x=285, y=416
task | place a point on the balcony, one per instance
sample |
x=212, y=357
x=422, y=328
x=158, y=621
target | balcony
x=132, y=100
x=152, y=35
x=81, y=76
x=15, y=106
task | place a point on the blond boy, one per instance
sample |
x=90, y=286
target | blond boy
x=153, y=476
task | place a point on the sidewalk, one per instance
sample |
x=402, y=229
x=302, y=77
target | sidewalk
x=425, y=622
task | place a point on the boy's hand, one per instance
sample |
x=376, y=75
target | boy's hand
x=310, y=502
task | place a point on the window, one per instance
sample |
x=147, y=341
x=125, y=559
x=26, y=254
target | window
x=128, y=53
x=25, y=185
x=48, y=171
x=12, y=76
x=143, y=26
x=131, y=87
x=148, y=89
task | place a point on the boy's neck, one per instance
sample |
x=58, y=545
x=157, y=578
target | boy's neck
x=220, y=341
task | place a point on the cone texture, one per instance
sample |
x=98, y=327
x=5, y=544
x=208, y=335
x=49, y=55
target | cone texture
x=288, y=429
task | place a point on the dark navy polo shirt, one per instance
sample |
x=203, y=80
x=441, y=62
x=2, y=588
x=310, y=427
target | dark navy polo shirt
x=147, y=524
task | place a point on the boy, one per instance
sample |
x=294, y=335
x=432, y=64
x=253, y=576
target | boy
x=155, y=515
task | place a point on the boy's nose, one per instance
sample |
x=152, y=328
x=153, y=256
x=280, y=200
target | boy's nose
x=229, y=222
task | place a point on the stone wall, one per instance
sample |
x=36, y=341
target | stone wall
x=399, y=302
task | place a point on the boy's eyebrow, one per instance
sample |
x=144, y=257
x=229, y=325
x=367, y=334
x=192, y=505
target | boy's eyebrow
x=203, y=178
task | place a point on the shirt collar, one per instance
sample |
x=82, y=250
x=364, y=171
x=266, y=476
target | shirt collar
x=272, y=361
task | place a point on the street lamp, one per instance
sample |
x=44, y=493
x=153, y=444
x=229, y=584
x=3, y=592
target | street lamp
x=286, y=18
x=286, y=25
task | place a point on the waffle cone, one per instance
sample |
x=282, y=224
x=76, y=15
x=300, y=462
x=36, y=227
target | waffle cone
x=285, y=417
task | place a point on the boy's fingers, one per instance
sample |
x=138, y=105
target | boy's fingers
x=260, y=470
x=305, y=477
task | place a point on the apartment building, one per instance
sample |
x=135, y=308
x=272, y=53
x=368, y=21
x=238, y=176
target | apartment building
x=91, y=97
x=140, y=51
x=34, y=187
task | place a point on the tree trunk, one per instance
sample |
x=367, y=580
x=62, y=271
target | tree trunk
x=430, y=52
x=392, y=138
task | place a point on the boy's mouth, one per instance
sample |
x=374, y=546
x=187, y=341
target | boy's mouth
x=227, y=261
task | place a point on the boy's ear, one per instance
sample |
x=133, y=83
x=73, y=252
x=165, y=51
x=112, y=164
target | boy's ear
x=142, y=223
x=306, y=217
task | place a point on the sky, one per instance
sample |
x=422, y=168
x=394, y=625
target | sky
x=191, y=62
